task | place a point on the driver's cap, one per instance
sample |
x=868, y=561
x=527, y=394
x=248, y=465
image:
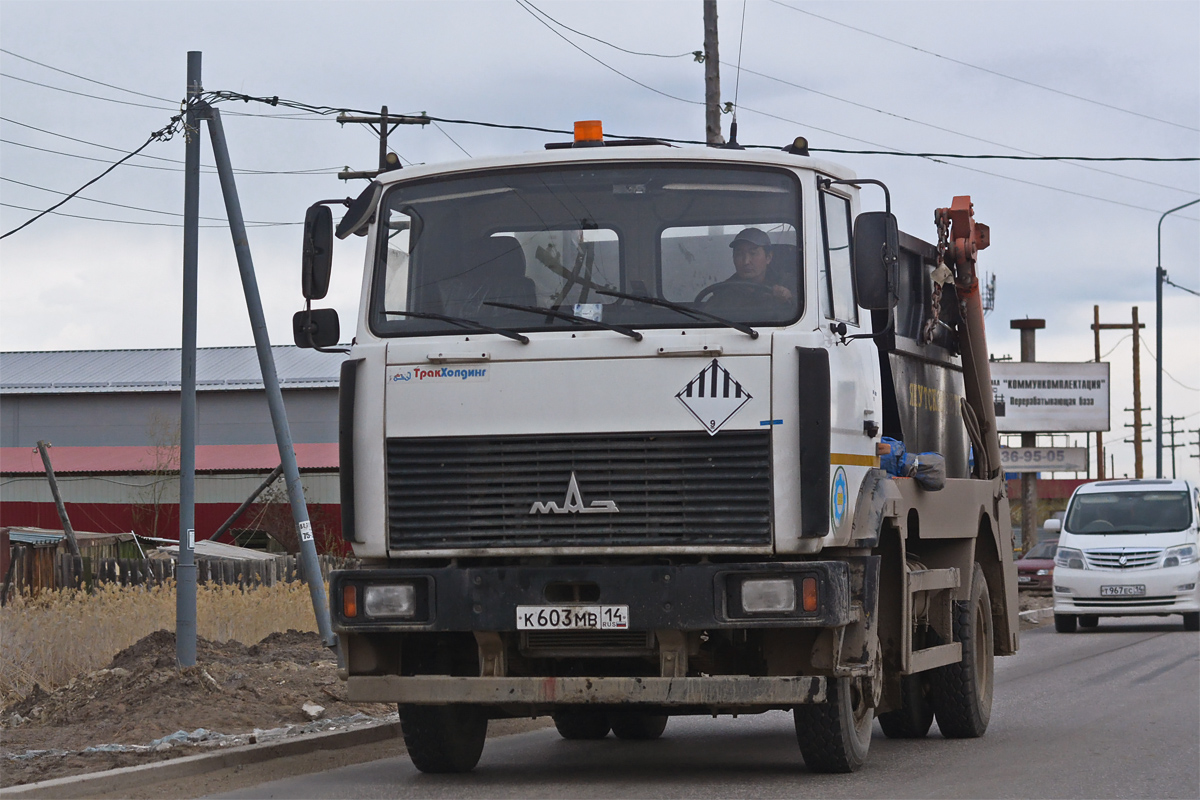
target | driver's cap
x=752, y=236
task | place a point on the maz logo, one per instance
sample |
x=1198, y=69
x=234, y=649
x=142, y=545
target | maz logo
x=573, y=504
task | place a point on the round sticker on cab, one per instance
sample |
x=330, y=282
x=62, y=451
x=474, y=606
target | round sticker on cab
x=839, y=498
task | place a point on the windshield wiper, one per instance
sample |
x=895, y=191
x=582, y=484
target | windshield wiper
x=682, y=309
x=469, y=324
x=550, y=312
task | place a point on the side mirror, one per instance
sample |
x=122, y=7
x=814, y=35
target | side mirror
x=318, y=252
x=316, y=328
x=1053, y=526
x=876, y=251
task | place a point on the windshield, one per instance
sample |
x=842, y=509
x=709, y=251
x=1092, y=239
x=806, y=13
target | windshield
x=1128, y=512
x=1043, y=550
x=496, y=248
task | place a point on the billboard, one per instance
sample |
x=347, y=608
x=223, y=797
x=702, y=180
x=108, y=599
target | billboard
x=1050, y=397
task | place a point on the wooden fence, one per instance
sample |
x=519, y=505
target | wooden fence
x=71, y=572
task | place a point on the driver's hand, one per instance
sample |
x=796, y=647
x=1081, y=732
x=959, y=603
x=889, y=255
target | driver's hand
x=782, y=292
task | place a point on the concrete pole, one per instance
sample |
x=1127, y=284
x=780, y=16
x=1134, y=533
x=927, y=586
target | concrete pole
x=1099, y=434
x=266, y=363
x=62, y=509
x=712, y=77
x=185, y=570
x=1138, y=471
x=1160, y=275
x=1029, y=493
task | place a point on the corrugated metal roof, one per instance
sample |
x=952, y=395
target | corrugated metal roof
x=209, y=458
x=217, y=369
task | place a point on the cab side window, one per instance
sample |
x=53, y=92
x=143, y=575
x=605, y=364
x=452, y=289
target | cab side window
x=838, y=292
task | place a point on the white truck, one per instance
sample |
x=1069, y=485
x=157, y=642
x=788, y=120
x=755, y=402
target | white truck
x=610, y=430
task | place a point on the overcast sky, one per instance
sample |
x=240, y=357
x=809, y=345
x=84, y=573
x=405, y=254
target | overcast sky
x=1079, y=78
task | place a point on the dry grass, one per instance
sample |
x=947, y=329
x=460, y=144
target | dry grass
x=58, y=635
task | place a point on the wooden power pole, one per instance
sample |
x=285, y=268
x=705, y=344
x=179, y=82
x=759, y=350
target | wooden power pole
x=1135, y=326
x=43, y=448
x=712, y=77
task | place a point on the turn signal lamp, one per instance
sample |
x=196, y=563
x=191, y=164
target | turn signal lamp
x=350, y=602
x=808, y=594
x=589, y=133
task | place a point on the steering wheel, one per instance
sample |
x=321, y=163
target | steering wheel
x=1098, y=525
x=734, y=291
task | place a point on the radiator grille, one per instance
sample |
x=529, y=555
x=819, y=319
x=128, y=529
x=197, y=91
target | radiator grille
x=561, y=641
x=669, y=489
x=1122, y=559
x=1121, y=602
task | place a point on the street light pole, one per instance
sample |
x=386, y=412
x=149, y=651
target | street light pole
x=1160, y=275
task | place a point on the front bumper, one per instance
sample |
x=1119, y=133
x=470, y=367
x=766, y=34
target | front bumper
x=1172, y=590
x=739, y=691
x=659, y=597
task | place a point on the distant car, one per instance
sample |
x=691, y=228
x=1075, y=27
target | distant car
x=1035, y=570
x=1128, y=548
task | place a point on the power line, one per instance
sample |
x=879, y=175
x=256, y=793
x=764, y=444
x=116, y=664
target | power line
x=131, y=208
x=84, y=94
x=451, y=138
x=1177, y=286
x=985, y=69
x=606, y=43
x=82, y=78
x=161, y=135
x=530, y=11
x=1146, y=347
x=133, y=222
x=208, y=170
x=173, y=161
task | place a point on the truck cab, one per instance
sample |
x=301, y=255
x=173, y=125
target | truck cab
x=611, y=427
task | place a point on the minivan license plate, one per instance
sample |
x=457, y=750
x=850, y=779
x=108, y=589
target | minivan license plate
x=572, y=618
x=1134, y=590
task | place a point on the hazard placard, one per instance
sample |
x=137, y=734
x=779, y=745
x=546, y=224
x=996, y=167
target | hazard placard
x=713, y=396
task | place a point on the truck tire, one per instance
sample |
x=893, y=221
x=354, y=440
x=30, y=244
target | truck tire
x=1088, y=620
x=834, y=736
x=637, y=726
x=577, y=724
x=1191, y=621
x=961, y=693
x=1064, y=623
x=444, y=739
x=914, y=717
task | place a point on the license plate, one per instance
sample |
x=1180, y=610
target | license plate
x=1135, y=590
x=572, y=618
x=1024, y=579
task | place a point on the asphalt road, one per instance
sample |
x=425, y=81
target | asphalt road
x=1109, y=712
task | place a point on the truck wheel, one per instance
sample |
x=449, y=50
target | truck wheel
x=1088, y=620
x=962, y=693
x=1191, y=621
x=834, y=736
x=444, y=738
x=637, y=726
x=1064, y=623
x=581, y=724
x=915, y=715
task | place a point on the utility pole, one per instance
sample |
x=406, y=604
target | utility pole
x=185, y=569
x=1196, y=443
x=1029, y=487
x=42, y=448
x=383, y=125
x=1099, y=434
x=1137, y=409
x=1160, y=275
x=1173, y=445
x=712, y=78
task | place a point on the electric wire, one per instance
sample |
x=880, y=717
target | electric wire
x=985, y=69
x=161, y=135
x=85, y=94
x=603, y=42
x=135, y=222
x=83, y=78
x=134, y=208
x=451, y=138
x=1167, y=281
x=211, y=169
x=1161, y=369
x=737, y=81
x=1114, y=347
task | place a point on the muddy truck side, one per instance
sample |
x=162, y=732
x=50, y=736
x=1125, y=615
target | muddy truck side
x=629, y=432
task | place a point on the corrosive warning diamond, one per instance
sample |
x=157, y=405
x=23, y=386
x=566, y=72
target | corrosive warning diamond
x=713, y=397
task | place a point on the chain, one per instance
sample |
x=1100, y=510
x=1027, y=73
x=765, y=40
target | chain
x=941, y=274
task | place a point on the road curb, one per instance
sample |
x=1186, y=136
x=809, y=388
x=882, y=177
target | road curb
x=171, y=769
x=1035, y=615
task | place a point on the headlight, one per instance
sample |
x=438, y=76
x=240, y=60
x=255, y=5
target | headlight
x=397, y=600
x=1184, y=554
x=774, y=595
x=1043, y=572
x=1070, y=558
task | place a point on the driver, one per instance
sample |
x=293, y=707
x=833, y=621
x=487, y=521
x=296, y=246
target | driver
x=752, y=263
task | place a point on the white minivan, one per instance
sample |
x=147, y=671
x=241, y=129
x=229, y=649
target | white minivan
x=1128, y=548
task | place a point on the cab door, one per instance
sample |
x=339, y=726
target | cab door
x=855, y=413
